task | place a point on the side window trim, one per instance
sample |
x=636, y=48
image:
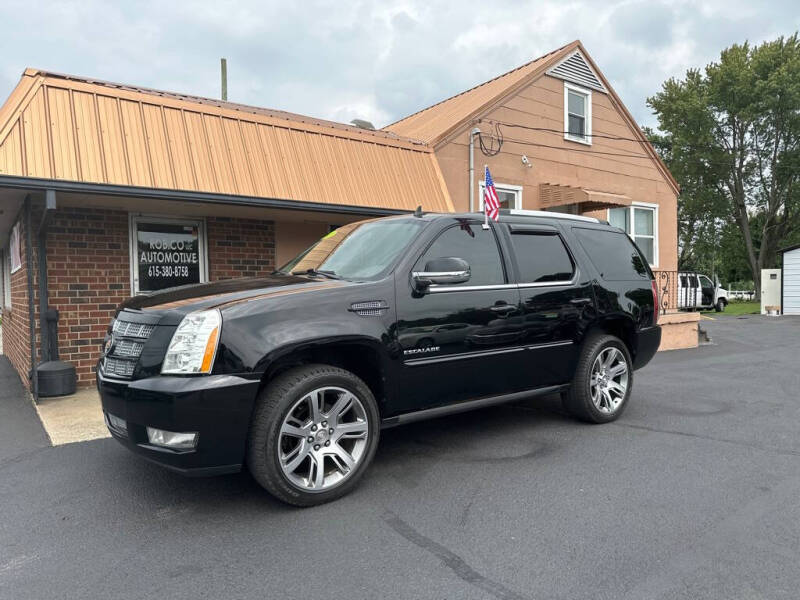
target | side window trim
x=647, y=274
x=540, y=230
x=504, y=263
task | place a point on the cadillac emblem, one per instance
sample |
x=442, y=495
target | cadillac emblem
x=109, y=343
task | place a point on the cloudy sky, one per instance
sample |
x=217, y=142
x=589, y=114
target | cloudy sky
x=381, y=60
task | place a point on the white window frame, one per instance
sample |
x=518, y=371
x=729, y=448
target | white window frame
x=587, y=94
x=15, y=246
x=5, y=266
x=631, y=225
x=501, y=187
x=135, y=218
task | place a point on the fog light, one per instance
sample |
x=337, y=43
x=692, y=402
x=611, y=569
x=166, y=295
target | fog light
x=115, y=423
x=172, y=439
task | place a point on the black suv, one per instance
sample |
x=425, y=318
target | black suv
x=381, y=323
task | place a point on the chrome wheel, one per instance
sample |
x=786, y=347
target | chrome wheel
x=609, y=380
x=323, y=439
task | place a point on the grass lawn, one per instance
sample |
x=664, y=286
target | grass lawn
x=738, y=308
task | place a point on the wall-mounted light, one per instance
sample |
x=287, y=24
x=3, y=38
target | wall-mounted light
x=526, y=161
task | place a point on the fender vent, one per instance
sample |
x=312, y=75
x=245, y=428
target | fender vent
x=369, y=308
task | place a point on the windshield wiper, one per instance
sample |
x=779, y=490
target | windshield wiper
x=324, y=273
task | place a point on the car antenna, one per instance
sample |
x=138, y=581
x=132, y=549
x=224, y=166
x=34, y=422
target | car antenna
x=418, y=212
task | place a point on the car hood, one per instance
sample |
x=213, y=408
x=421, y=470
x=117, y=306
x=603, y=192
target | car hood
x=182, y=300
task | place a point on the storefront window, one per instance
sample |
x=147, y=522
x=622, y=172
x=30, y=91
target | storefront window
x=168, y=253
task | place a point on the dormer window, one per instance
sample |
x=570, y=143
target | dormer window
x=577, y=114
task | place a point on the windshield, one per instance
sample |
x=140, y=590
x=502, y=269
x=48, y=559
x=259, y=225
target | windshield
x=363, y=250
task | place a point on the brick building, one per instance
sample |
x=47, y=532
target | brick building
x=108, y=190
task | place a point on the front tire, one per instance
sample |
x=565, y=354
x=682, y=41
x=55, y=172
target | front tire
x=720, y=305
x=603, y=381
x=314, y=432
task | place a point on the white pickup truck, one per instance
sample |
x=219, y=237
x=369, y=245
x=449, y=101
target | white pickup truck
x=697, y=291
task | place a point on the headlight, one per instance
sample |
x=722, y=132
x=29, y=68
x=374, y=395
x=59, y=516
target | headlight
x=194, y=344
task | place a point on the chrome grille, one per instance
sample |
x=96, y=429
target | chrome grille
x=119, y=368
x=127, y=348
x=135, y=330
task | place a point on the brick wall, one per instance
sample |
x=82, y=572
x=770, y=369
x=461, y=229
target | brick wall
x=239, y=247
x=16, y=332
x=88, y=276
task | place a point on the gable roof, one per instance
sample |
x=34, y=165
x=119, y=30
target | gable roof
x=62, y=127
x=436, y=124
x=431, y=125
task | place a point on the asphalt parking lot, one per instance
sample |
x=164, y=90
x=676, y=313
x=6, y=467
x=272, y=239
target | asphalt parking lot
x=693, y=493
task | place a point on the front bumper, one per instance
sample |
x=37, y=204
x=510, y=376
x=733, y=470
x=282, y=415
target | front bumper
x=218, y=407
x=649, y=339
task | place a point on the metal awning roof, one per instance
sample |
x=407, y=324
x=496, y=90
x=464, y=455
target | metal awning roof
x=554, y=194
x=70, y=129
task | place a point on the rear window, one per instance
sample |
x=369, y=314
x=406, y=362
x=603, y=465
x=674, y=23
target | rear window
x=613, y=254
x=541, y=258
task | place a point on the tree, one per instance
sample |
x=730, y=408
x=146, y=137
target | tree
x=701, y=211
x=734, y=135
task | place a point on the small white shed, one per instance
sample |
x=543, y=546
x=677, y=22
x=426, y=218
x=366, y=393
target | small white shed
x=791, y=281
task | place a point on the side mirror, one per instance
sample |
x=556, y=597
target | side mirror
x=441, y=271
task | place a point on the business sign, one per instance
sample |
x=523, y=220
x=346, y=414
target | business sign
x=168, y=255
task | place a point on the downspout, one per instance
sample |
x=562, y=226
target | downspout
x=475, y=131
x=31, y=314
x=44, y=295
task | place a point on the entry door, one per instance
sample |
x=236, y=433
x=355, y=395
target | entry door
x=707, y=291
x=460, y=341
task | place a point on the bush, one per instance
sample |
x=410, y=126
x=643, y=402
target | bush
x=745, y=285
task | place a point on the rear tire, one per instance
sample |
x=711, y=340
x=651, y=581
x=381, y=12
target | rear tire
x=603, y=380
x=314, y=432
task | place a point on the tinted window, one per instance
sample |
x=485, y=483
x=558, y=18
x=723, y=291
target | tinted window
x=475, y=245
x=361, y=250
x=541, y=258
x=613, y=254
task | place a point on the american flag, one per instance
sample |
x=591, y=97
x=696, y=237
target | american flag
x=491, y=205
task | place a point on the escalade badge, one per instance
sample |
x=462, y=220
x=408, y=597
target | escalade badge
x=421, y=350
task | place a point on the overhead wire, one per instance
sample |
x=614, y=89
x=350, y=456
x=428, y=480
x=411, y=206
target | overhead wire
x=501, y=139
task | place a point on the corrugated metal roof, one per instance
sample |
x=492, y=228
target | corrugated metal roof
x=434, y=123
x=63, y=127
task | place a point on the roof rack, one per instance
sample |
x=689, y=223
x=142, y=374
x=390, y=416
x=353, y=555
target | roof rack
x=548, y=214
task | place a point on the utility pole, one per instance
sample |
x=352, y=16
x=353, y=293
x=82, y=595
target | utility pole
x=223, y=64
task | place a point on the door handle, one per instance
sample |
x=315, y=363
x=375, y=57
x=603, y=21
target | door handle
x=581, y=301
x=503, y=308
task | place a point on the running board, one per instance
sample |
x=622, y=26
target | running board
x=459, y=407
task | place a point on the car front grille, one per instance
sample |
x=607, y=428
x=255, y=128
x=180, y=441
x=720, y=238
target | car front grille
x=134, y=330
x=127, y=348
x=127, y=345
x=118, y=368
